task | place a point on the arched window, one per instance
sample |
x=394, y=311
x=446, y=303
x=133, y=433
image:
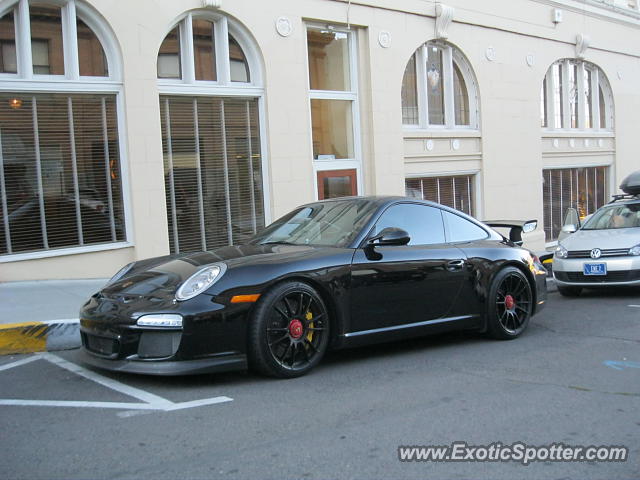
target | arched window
x=439, y=89
x=60, y=166
x=576, y=95
x=209, y=77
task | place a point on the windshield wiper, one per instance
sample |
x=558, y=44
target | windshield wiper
x=278, y=242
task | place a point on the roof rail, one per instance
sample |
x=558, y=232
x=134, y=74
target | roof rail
x=624, y=196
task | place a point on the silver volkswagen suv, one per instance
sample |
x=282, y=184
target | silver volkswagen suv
x=605, y=250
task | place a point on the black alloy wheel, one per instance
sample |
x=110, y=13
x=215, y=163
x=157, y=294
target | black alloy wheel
x=510, y=304
x=289, y=331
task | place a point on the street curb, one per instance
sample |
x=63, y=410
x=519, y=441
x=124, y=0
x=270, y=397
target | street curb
x=46, y=336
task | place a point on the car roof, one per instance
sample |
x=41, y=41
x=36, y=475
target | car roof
x=382, y=201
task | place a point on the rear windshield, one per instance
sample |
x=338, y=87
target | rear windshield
x=614, y=217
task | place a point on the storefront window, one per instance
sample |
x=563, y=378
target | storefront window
x=211, y=142
x=454, y=191
x=60, y=165
x=585, y=189
x=59, y=160
x=212, y=171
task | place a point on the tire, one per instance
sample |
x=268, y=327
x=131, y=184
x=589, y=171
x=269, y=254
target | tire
x=509, y=304
x=569, y=291
x=288, y=331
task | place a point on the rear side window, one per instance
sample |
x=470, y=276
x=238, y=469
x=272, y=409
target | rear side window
x=460, y=229
x=423, y=223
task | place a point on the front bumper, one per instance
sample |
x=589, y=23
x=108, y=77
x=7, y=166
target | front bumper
x=212, y=339
x=621, y=271
x=218, y=363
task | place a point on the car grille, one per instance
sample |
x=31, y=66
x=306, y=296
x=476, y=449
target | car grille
x=612, y=252
x=104, y=346
x=579, y=277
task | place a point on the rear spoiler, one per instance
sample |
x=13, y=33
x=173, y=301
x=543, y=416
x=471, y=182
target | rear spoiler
x=517, y=227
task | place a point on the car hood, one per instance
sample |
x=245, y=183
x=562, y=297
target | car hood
x=161, y=276
x=602, y=239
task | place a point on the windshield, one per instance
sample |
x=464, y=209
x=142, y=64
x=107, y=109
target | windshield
x=614, y=217
x=333, y=224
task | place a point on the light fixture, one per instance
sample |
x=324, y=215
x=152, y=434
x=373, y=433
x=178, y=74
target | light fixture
x=15, y=103
x=433, y=76
x=163, y=320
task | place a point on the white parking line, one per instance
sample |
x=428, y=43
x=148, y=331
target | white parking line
x=106, y=382
x=149, y=401
x=18, y=363
x=636, y=306
x=71, y=403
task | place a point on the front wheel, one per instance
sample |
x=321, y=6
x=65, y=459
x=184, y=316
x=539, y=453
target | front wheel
x=289, y=331
x=510, y=304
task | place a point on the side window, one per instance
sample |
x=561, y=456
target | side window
x=462, y=230
x=423, y=223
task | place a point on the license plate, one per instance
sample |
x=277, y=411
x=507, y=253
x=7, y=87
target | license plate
x=595, y=269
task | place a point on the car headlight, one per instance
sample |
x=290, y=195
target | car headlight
x=200, y=281
x=635, y=250
x=561, y=252
x=121, y=273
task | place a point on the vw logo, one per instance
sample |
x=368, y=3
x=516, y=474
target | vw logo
x=595, y=253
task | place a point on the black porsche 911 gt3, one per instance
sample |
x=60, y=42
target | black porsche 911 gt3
x=330, y=274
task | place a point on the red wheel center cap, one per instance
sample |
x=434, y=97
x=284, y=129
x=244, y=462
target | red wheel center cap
x=509, y=302
x=295, y=328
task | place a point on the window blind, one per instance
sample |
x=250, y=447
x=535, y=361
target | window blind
x=585, y=189
x=212, y=169
x=453, y=191
x=60, y=182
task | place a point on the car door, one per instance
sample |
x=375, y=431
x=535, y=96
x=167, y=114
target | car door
x=395, y=285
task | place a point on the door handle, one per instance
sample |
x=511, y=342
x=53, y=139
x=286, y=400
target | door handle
x=455, y=265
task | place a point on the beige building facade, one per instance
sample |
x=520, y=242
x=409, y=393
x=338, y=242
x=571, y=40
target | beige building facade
x=136, y=129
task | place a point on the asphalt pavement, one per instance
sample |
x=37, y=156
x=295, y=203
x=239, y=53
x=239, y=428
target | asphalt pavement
x=572, y=378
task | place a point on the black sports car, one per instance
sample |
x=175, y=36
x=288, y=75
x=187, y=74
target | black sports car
x=335, y=273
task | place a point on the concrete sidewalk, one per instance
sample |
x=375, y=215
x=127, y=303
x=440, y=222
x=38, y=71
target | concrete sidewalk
x=42, y=315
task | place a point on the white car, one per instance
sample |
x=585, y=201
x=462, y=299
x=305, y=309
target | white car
x=605, y=250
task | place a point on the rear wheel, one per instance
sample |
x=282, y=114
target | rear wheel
x=510, y=304
x=569, y=291
x=289, y=331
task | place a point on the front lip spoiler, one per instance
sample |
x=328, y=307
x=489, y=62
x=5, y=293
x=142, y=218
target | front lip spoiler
x=223, y=363
x=631, y=283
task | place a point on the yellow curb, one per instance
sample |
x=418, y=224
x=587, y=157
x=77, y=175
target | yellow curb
x=23, y=337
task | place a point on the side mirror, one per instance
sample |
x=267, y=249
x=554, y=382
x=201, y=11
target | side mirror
x=390, y=236
x=570, y=228
x=572, y=218
x=529, y=226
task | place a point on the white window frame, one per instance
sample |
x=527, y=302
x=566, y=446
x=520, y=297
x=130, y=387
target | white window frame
x=222, y=86
x=26, y=82
x=351, y=95
x=449, y=55
x=598, y=81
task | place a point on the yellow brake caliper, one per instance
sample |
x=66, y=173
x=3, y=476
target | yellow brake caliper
x=309, y=316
